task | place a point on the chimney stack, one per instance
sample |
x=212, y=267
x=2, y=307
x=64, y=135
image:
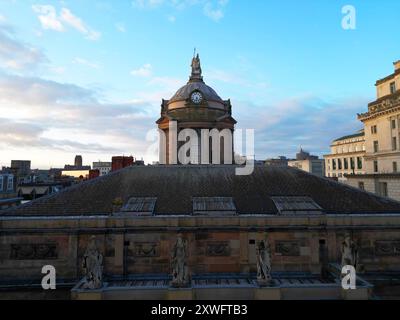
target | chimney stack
x=396, y=65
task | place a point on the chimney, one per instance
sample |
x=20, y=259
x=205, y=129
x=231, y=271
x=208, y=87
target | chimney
x=396, y=65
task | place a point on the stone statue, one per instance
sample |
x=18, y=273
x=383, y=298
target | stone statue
x=180, y=274
x=349, y=252
x=93, y=266
x=196, y=68
x=264, y=264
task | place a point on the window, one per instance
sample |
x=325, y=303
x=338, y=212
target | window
x=213, y=205
x=1, y=183
x=340, y=164
x=374, y=129
x=361, y=186
x=383, y=189
x=359, y=163
x=140, y=206
x=376, y=169
x=394, y=167
x=334, y=164
x=393, y=124
x=295, y=205
x=376, y=146
x=10, y=183
x=392, y=87
x=394, y=143
x=346, y=164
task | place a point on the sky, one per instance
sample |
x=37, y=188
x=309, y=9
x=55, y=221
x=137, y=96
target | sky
x=87, y=77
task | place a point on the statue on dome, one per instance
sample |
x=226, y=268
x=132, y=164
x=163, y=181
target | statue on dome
x=196, y=68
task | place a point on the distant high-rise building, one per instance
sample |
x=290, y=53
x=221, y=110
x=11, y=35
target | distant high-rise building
x=279, y=162
x=309, y=163
x=103, y=167
x=119, y=163
x=78, y=161
x=78, y=165
x=21, y=167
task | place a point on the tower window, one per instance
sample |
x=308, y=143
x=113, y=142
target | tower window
x=374, y=129
x=394, y=143
x=393, y=124
x=395, y=167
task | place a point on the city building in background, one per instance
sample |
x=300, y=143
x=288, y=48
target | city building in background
x=77, y=166
x=8, y=194
x=308, y=163
x=381, y=164
x=120, y=162
x=346, y=157
x=281, y=161
x=103, y=167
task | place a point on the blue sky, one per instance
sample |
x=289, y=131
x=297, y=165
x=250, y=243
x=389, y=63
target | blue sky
x=87, y=77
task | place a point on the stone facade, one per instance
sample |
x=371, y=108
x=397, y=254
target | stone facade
x=218, y=245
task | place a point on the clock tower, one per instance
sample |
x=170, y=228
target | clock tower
x=198, y=107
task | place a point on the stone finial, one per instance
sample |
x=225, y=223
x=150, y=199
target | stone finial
x=93, y=266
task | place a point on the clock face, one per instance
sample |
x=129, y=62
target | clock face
x=197, y=97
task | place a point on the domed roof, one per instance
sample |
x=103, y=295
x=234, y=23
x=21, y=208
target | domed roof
x=196, y=83
x=185, y=92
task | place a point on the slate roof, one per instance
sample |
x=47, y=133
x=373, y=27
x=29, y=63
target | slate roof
x=184, y=93
x=175, y=186
x=361, y=133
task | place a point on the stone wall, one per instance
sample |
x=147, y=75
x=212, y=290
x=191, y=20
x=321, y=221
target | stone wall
x=216, y=245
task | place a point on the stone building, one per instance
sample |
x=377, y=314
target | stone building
x=195, y=106
x=382, y=135
x=346, y=157
x=202, y=231
x=103, y=167
x=306, y=162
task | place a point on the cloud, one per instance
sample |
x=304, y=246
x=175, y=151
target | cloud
x=68, y=17
x=50, y=20
x=307, y=121
x=15, y=54
x=213, y=9
x=85, y=62
x=120, y=27
x=145, y=71
x=47, y=16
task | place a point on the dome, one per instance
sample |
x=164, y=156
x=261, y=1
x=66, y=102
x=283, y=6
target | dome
x=185, y=92
x=196, y=83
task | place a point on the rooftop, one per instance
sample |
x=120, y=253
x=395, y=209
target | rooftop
x=175, y=187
